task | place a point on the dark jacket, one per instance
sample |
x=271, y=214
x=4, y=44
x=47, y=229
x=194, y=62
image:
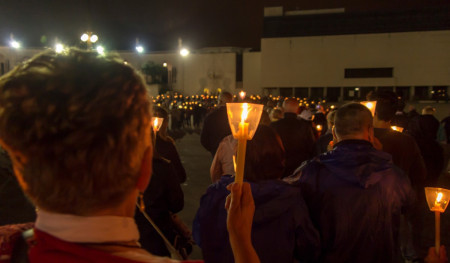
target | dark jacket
x=406, y=155
x=281, y=225
x=355, y=196
x=167, y=149
x=321, y=145
x=162, y=197
x=215, y=128
x=298, y=140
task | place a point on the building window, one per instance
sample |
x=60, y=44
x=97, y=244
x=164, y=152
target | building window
x=421, y=92
x=368, y=73
x=316, y=93
x=270, y=91
x=350, y=93
x=301, y=92
x=402, y=92
x=239, y=67
x=286, y=92
x=333, y=94
x=439, y=93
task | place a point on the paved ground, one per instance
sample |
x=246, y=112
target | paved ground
x=196, y=161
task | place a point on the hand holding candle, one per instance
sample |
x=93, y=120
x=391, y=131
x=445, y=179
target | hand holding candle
x=437, y=199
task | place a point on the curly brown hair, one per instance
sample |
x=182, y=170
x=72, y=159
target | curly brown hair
x=76, y=126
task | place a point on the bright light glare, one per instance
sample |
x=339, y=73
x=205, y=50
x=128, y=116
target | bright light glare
x=15, y=44
x=100, y=50
x=59, y=48
x=184, y=52
x=164, y=64
x=84, y=37
x=94, y=38
x=140, y=49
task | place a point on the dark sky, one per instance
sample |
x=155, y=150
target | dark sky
x=159, y=23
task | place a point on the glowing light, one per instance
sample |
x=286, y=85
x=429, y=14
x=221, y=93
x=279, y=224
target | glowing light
x=94, y=38
x=242, y=94
x=319, y=128
x=15, y=44
x=84, y=37
x=59, y=48
x=184, y=52
x=244, y=114
x=165, y=64
x=100, y=50
x=439, y=197
x=140, y=49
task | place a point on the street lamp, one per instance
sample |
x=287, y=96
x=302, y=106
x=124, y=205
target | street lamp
x=15, y=44
x=140, y=49
x=184, y=52
x=89, y=38
x=59, y=48
x=100, y=50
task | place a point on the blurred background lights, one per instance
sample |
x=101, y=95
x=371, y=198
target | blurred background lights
x=164, y=64
x=84, y=37
x=59, y=48
x=184, y=52
x=94, y=38
x=139, y=49
x=15, y=44
x=100, y=50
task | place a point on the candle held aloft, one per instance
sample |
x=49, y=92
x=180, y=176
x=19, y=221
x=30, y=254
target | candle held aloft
x=243, y=119
x=437, y=199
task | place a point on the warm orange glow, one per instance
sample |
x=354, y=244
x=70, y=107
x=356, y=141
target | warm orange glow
x=319, y=128
x=242, y=94
x=244, y=114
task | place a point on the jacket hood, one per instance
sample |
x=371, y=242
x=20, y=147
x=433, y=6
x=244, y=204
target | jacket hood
x=356, y=161
x=272, y=198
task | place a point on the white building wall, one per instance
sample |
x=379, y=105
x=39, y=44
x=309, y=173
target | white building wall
x=252, y=72
x=418, y=58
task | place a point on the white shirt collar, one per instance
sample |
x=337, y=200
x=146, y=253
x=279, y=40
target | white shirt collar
x=84, y=229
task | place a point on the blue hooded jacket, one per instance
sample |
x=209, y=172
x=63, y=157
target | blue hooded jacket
x=355, y=196
x=281, y=227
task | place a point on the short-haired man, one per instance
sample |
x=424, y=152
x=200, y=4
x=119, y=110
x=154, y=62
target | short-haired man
x=216, y=126
x=354, y=193
x=296, y=135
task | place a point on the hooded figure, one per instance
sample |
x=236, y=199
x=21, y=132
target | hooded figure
x=355, y=194
x=282, y=230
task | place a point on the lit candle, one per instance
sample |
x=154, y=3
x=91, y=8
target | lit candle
x=242, y=144
x=437, y=220
x=371, y=105
x=242, y=94
x=437, y=199
x=319, y=129
x=396, y=128
x=243, y=119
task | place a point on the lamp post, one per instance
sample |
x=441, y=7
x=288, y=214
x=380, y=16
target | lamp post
x=89, y=38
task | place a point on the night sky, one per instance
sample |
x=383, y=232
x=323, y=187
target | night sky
x=158, y=24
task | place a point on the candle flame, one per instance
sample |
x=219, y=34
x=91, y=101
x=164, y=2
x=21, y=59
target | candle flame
x=319, y=127
x=439, y=197
x=244, y=114
x=369, y=105
x=242, y=94
x=155, y=124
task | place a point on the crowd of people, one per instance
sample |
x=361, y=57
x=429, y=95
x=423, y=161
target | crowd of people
x=322, y=184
